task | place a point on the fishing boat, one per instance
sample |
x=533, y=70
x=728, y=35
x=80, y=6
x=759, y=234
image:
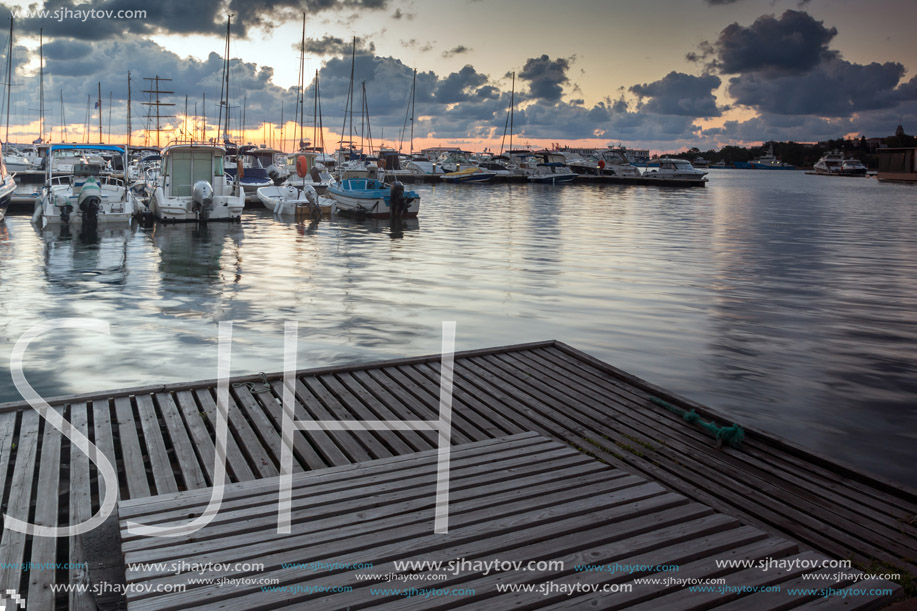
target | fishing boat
x=472, y=174
x=679, y=170
x=552, y=173
x=299, y=201
x=7, y=187
x=373, y=199
x=195, y=187
x=86, y=194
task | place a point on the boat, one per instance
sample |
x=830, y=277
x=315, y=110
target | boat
x=673, y=169
x=830, y=163
x=552, y=173
x=769, y=162
x=85, y=194
x=853, y=167
x=7, y=187
x=370, y=198
x=194, y=186
x=472, y=174
x=700, y=162
x=246, y=169
x=306, y=168
x=719, y=165
x=299, y=201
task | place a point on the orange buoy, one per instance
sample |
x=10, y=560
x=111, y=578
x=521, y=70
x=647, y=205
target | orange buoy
x=601, y=164
x=240, y=170
x=302, y=166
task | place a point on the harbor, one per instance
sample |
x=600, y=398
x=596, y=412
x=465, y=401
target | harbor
x=385, y=305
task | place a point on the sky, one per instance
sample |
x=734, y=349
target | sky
x=659, y=74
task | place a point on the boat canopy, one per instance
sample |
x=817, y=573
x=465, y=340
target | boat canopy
x=86, y=147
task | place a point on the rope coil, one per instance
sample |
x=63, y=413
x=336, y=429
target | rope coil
x=731, y=436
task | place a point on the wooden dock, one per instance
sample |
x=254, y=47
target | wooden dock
x=162, y=441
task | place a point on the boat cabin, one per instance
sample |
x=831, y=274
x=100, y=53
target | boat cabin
x=183, y=166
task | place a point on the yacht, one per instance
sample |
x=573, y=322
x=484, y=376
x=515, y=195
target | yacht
x=85, y=193
x=246, y=167
x=830, y=163
x=552, y=173
x=853, y=167
x=676, y=170
x=194, y=186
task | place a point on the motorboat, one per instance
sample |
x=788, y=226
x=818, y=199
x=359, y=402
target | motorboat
x=470, y=174
x=766, y=161
x=552, y=173
x=85, y=194
x=674, y=169
x=247, y=169
x=306, y=169
x=831, y=162
x=853, y=167
x=194, y=186
x=300, y=201
x=364, y=197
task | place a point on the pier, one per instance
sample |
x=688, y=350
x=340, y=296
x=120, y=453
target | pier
x=547, y=440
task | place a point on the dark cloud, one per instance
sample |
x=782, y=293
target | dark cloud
x=459, y=86
x=459, y=50
x=333, y=45
x=546, y=77
x=792, y=44
x=836, y=88
x=399, y=14
x=178, y=16
x=680, y=94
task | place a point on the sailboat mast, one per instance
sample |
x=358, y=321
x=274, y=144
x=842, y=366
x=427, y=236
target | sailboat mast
x=315, y=111
x=348, y=105
x=41, y=85
x=100, y=113
x=63, y=119
x=224, y=85
x=9, y=81
x=512, y=106
x=128, y=110
x=321, y=127
x=302, y=81
x=413, y=95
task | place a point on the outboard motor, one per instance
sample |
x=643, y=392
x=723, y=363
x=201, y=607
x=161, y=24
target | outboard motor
x=202, y=199
x=89, y=201
x=274, y=174
x=397, y=201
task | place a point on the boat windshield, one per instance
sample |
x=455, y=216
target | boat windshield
x=187, y=168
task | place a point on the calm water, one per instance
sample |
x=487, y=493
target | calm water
x=788, y=301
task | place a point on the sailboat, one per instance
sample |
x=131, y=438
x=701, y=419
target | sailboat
x=7, y=187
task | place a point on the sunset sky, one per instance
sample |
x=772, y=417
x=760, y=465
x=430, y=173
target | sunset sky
x=661, y=74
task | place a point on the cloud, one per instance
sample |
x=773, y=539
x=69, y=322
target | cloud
x=546, y=77
x=333, y=45
x=179, y=16
x=792, y=44
x=680, y=94
x=459, y=50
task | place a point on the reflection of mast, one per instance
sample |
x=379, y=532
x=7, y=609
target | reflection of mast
x=154, y=102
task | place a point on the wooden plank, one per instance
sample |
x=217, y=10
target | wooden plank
x=200, y=436
x=236, y=462
x=258, y=457
x=12, y=545
x=7, y=439
x=160, y=465
x=268, y=436
x=189, y=464
x=80, y=510
x=323, y=443
x=131, y=452
x=47, y=495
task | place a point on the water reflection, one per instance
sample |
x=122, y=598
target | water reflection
x=95, y=257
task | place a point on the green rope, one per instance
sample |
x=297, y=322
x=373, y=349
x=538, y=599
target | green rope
x=731, y=436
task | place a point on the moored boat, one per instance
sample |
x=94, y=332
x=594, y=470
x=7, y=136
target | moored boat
x=552, y=173
x=85, y=194
x=471, y=174
x=299, y=201
x=374, y=199
x=673, y=169
x=195, y=187
x=7, y=187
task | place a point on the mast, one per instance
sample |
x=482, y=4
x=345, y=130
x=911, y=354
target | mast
x=321, y=128
x=128, y=109
x=9, y=81
x=413, y=95
x=88, y=115
x=41, y=85
x=512, y=106
x=204, y=110
x=63, y=119
x=348, y=105
x=101, y=139
x=302, y=81
x=224, y=85
x=154, y=102
x=109, y=115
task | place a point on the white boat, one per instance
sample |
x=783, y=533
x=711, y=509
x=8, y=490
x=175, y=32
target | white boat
x=299, y=201
x=853, y=167
x=552, y=173
x=7, y=187
x=307, y=168
x=85, y=194
x=830, y=163
x=469, y=174
x=676, y=170
x=195, y=187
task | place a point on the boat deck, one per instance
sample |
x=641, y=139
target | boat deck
x=161, y=440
